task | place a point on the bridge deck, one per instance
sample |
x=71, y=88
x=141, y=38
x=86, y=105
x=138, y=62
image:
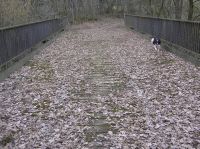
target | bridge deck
x=100, y=85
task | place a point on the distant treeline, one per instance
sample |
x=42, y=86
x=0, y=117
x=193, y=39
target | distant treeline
x=15, y=12
x=173, y=9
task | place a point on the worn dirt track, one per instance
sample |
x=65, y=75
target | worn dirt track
x=100, y=85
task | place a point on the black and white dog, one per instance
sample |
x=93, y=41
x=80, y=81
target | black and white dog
x=156, y=43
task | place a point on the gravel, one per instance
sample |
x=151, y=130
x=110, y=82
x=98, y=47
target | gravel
x=100, y=85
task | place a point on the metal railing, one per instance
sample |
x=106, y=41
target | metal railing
x=183, y=33
x=17, y=39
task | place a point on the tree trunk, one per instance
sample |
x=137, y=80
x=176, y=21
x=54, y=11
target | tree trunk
x=191, y=10
x=178, y=8
x=161, y=8
x=150, y=12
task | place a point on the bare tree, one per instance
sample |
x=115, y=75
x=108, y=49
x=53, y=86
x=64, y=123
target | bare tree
x=14, y=12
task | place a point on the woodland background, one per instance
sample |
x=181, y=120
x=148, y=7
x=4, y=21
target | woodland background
x=15, y=12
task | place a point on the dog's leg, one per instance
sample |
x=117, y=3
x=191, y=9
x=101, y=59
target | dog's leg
x=155, y=47
x=158, y=47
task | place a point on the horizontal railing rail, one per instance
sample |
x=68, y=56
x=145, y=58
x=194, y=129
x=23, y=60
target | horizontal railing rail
x=182, y=33
x=17, y=39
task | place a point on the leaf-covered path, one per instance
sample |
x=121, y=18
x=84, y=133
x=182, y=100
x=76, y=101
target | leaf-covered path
x=100, y=85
